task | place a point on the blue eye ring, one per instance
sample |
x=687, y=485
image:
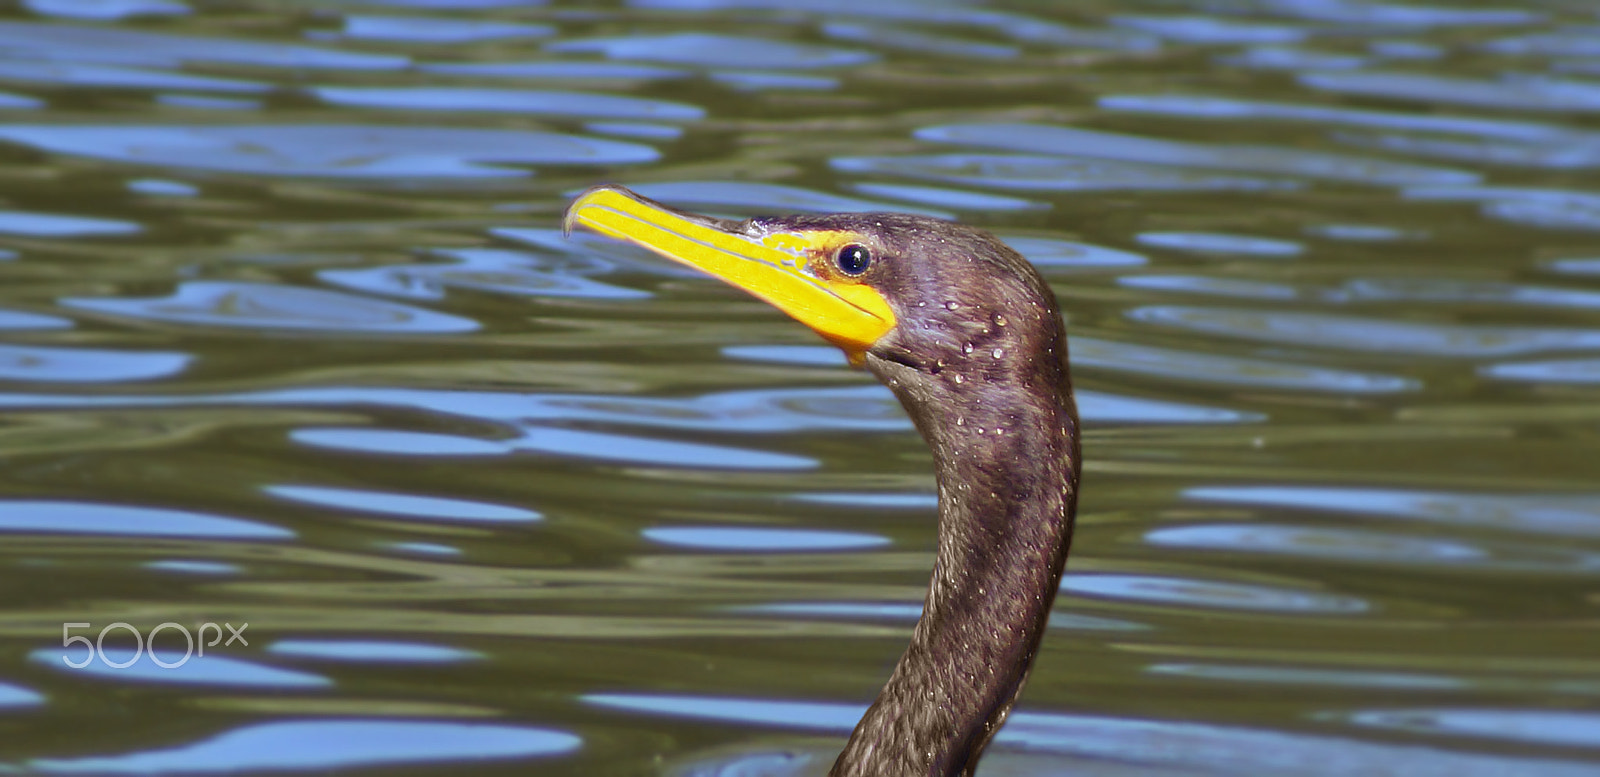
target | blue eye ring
x=853, y=259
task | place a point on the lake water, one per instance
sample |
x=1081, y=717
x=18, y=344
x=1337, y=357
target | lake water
x=295, y=361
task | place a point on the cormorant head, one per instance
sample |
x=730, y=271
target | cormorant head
x=887, y=288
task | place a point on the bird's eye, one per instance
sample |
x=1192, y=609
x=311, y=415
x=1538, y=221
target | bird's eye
x=854, y=259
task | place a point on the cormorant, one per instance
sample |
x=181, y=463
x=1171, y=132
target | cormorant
x=967, y=335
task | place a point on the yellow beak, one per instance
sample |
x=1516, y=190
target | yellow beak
x=772, y=265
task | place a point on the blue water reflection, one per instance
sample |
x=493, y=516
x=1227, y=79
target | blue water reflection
x=1071, y=141
x=371, y=651
x=556, y=71
x=15, y=222
x=1575, y=515
x=543, y=103
x=1218, y=243
x=423, y=548
x=397, y=442
x=48, y=364
x=605, y=446
x=872, y=501
x=1376, y=547
x=897, y=37
x=194, y=567
x=17, y=319
x=1050, y=254
x=761, y=539
x=14, y=696
x=1217, y=287
x=483, y=269
x=1017, y=26
x=1565, y=728
x=274, y=306
x=333, y=743
x=105, y=10
x=1032, y=173
x=1533, y=93
x=1229, y=108
x=858, y=408
x=329, y=151
x=112, y=45
x=162, y=188
x=1094, y=353
x=1209, y=593
x=402, y=505
x=1208, y=30
x=119, y=77
x=709, y=50
x=1369, y=334
x=1286, y=675
x=956, y=199
x=761, y=81
x=110, y=520
x=1550, y=371
x=170, y=666
x=438, y=30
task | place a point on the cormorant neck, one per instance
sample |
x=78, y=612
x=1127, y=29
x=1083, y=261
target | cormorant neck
x=1004, y=437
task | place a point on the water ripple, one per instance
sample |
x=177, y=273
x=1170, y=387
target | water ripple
x=1565, y=728
x=110, y=45
x=708, y=50
x=322, y=745
x=109, y=520
x=1022, y=172
x=17, y=319
x=1210, y=30
x=1219, y=243
x=1234, y=109
x=86, y=365
x=1049, y=253
x=329, y=151
x=1292, y=676
x=1210, y=593
x=16, y=222
x=1071, y=141
x=272, y=306
x=106, y=10
x=371, y=652
x=556, y=71
x=119, y=77
x=762, y=539
x=402, y=505
x=1375, y=547
x=482, y=269
x=544, y=103
x=171, y=667
x=1576, y=515
x=1369, y=334
x=1526, y=94
x=436, y=29
x=13, y=696
x=957, y=199
x=1093, y=353
x=1548, y=371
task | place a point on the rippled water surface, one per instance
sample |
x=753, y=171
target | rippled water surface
x=290, y=344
